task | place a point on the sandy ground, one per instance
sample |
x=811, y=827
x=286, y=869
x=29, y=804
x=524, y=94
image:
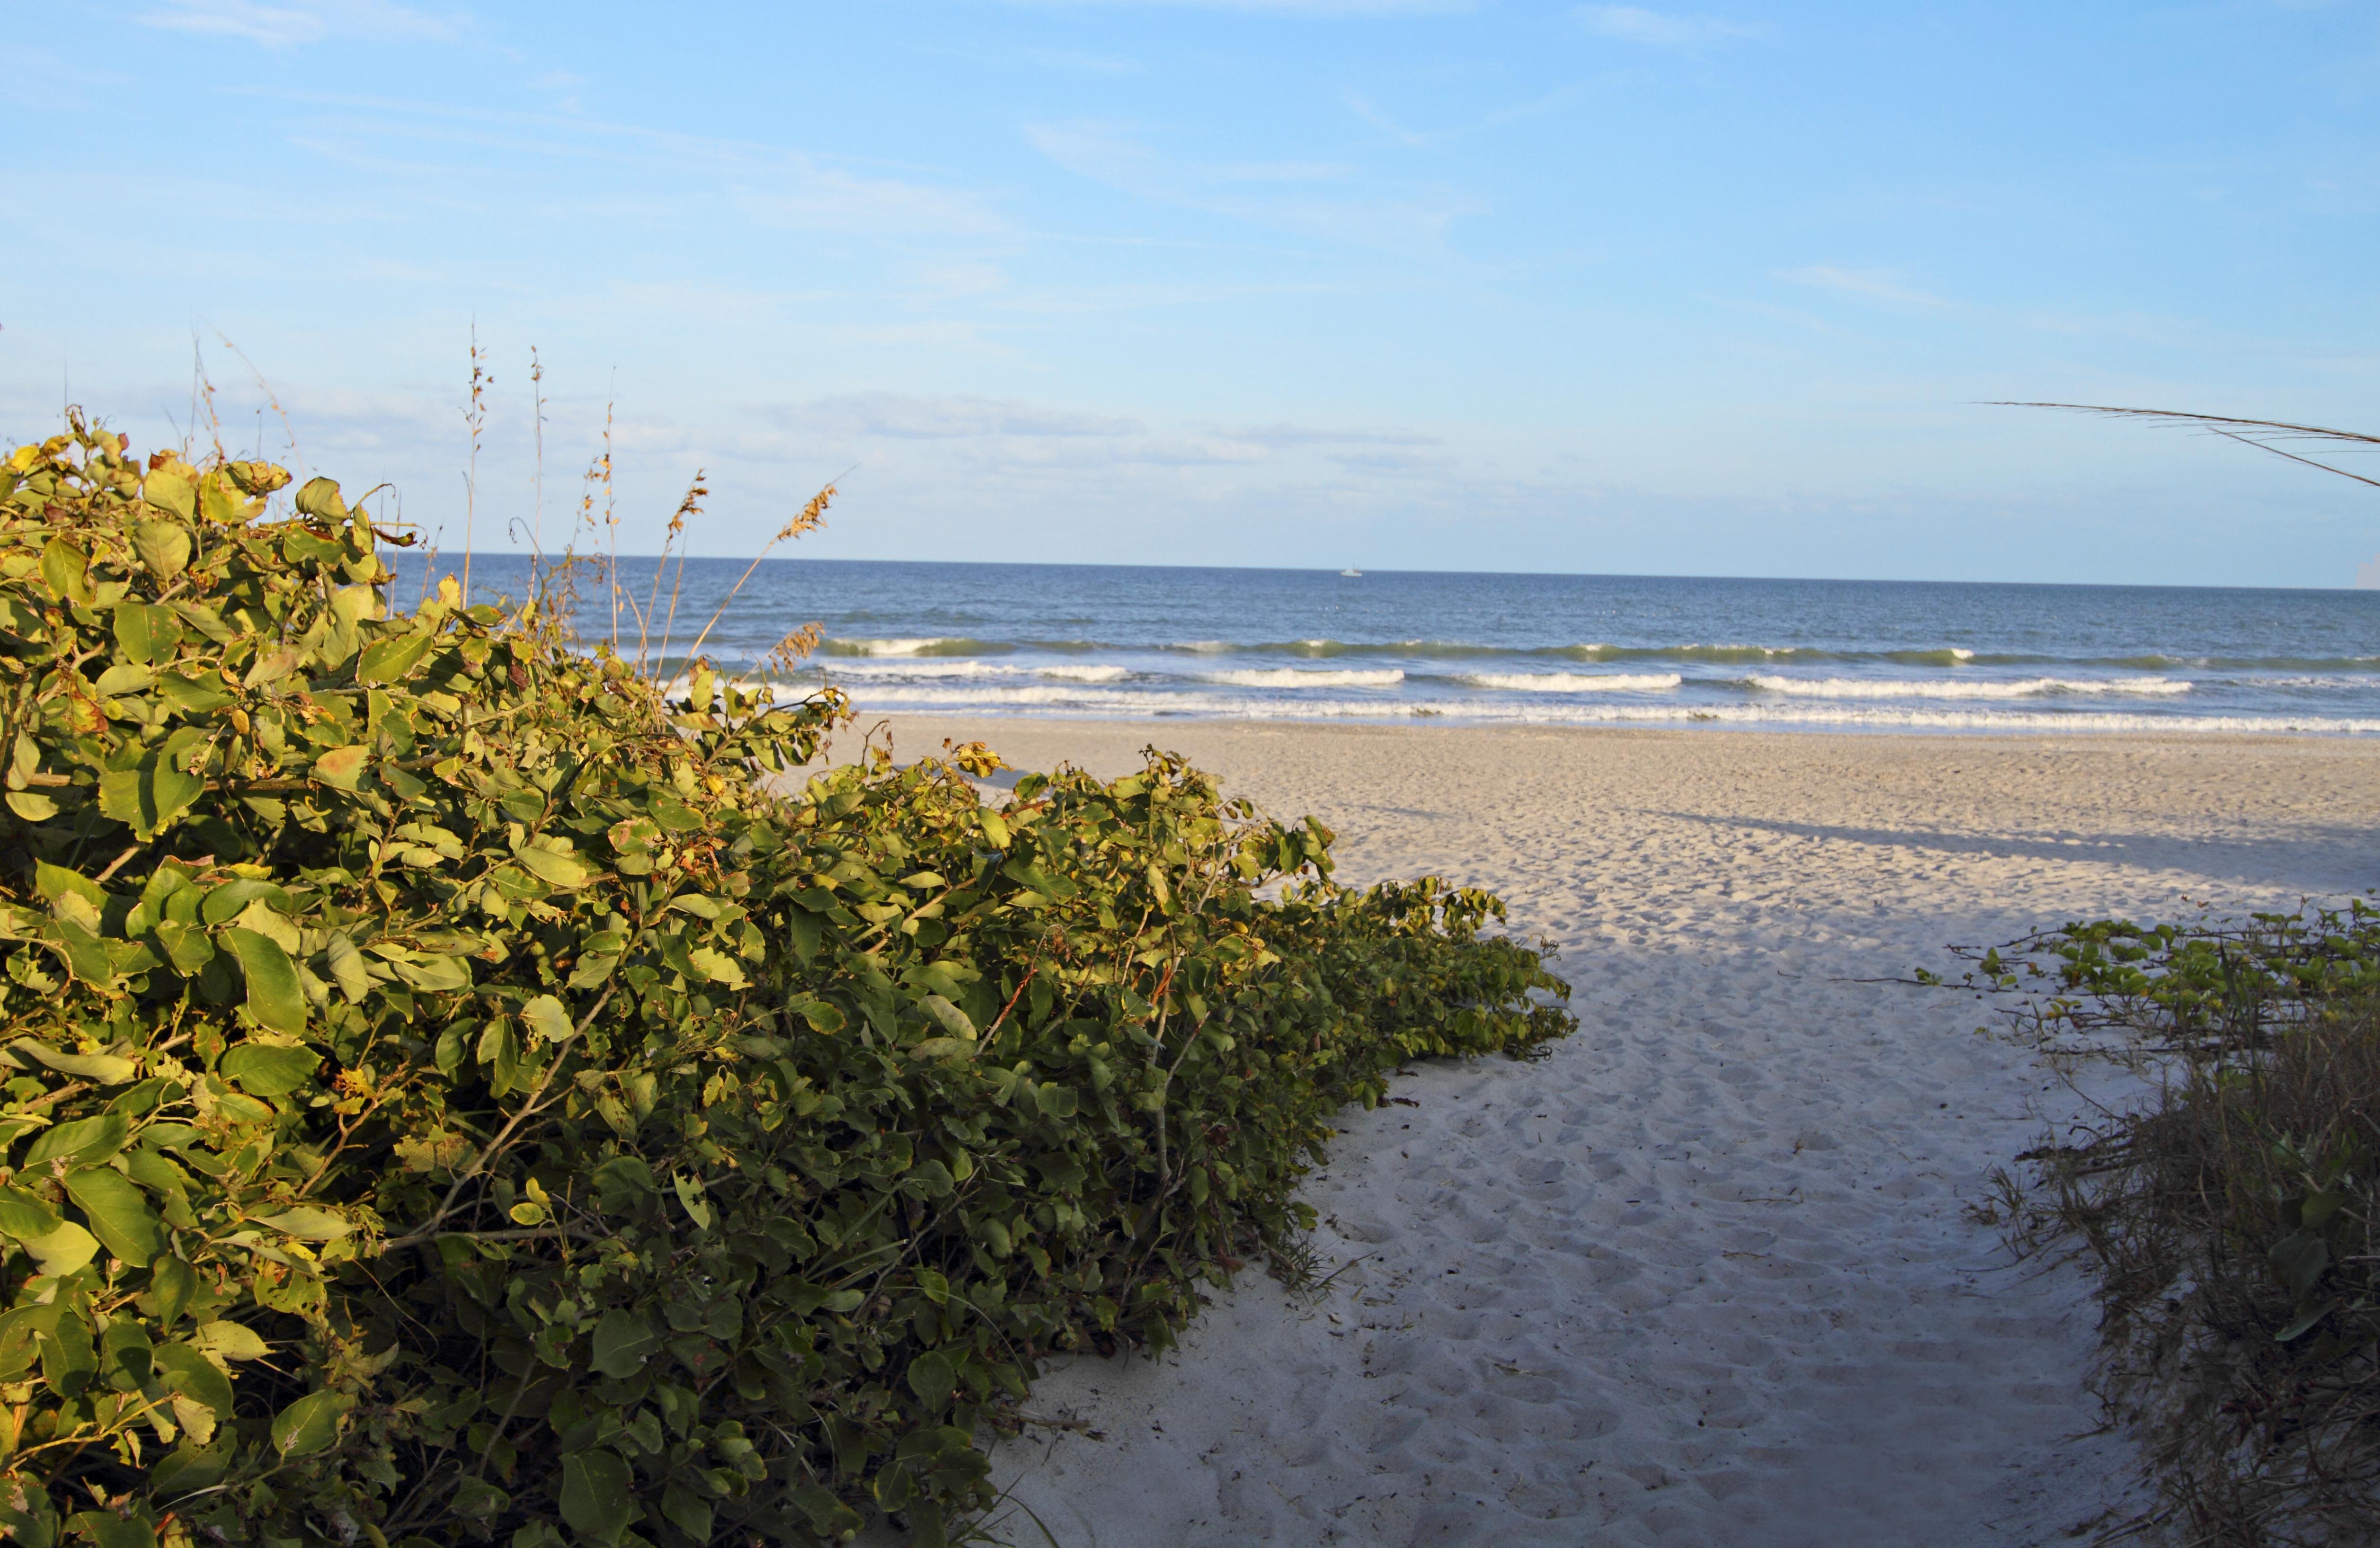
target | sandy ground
x=1703, y=1277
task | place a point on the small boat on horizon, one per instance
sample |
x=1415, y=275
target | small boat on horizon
x=1353, y=574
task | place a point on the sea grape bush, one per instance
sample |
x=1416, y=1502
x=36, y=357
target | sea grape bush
x=459, y=1092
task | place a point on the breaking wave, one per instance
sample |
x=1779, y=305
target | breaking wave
x=1571, y=682
x=1294, y=677
x=1946, y=688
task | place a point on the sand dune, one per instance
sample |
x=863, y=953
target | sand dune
x=1702, y=1276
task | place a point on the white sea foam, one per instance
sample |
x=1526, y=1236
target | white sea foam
x=1292, y=676
x=908, y=667
x=890, y=647
x=1571, y=682
x=1085, y=673
x=1556, y=710
x=1936, y=687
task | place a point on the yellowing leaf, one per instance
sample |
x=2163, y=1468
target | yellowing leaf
x=340, y=767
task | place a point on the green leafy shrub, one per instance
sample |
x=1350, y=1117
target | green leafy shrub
x=457, y=1091
x=2231, y=1215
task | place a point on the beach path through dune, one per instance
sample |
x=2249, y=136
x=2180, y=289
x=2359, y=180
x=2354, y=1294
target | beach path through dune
x=1703, y=1275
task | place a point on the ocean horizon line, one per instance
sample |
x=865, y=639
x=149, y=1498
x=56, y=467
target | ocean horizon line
x=453, y=561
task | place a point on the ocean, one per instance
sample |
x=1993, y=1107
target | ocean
x=1120, y=642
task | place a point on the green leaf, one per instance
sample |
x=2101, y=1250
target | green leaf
x=107, y=1529
x=436, y=974
x=171, y=489
x=623, y=1341
x=275, y=997
x=953, y=1020
x=66, y=571
x=106, y=1069
x=499, y=1053
x=171, y=1282
x=687, y=1511
x=689, y=1194
x=33, y=806
x=933, y=1377
x=80, y=1143
x=118, y=1212
x=341, y=767
x=346, y=966
x=229, y=1340
x=2299, y=1260
x=269, y=1069
x=54, y=881
x=2304, y=1321
x=320, y=497
x=189, y=1372
x=309, y=1225
x=187, y=945
x=310, y=1424
x=717, y=965
x=598, y=1496
x=545, y=1017
x=63, y=1251
x=390, y=661
x=557, y=870
x=229, y=901
x=148, y=797
x=163, y=547
x=133, y=635
x=196, y=695
x=185, y=1469
x=271, y=664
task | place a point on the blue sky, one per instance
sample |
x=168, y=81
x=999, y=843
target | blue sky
x=1606, y=288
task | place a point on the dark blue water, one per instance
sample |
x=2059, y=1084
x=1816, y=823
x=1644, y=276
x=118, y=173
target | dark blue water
x=1131, y=642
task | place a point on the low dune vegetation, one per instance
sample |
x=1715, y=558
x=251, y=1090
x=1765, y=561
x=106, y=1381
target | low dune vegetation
x=2230, y=1212
x=459, y=1091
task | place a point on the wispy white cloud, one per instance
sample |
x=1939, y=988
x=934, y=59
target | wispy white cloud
x=294, y=22
x=37, y=77
x=964, y=438
x=945, y=417
x=1664, y=29
x=1319, y=199
x=811, y=197
x=1875, y=284
x=772, y=186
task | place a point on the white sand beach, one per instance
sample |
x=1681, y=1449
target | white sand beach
x=1703, y=1275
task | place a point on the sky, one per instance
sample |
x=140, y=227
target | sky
x=1726, y=290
